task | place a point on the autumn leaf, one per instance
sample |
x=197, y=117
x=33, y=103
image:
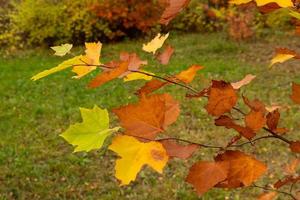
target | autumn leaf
x=267, y=196
x=134, y=62
x=150, y=116
x=291, y=168
x=136, y=76
x=204, y=175
x=286, y=181
x=295, y=146
x=222, y=98
x=243, y=169
x=151, y=86
x=165, y=56
x=156, y=43
x=134, y=155
x=91, y=132
x=230, y=124
x=62, y=50
x=255, y=120
x=283, y=55
x=296, y=93
x=189, y=74
x=245, y=81
x=272, y=122
x=177, y=150
x=281, y=3
x=107, y=76
x=174, y=7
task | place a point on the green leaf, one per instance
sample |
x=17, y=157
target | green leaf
x=91, y=132
x=64, y=65
x=62, y=50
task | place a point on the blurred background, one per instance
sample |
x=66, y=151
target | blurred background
x=230, y=42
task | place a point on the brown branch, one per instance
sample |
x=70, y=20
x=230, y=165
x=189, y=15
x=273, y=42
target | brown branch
x=274, y=190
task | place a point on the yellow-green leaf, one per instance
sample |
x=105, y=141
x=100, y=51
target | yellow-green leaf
x=62, y=50
x=91, y=132
x=134, y=155
x=136, y=76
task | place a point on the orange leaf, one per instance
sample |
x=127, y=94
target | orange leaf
x=150, y=116
x=272, y=122
x=296, y=93
x=109, y=75
x=243, y=169
x=151, y=86
x=188, y=75
x=165, y=56
x=230, y=124
x=134, y=61
x=287, y=180
x=291, y=168
x=174, y=7
x=222, y=98
x=295, y=146
x=204, y=175
x=267, y=196
x=179, y=151
x=255, y=120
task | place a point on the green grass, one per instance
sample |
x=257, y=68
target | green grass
x=35, y=163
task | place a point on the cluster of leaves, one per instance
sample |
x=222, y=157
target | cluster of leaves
x=137, y=140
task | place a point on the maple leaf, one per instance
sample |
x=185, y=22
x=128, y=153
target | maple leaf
x=107, y=76
x=267, y=196
x=174, y=7
x=91, y=133
x=150, y=116
x=177, y=150
x=296, y=93
x=272, y=122
x=281, y=3
x=204, y=175
x=155, y=43
x=62, y=50
x=134, y=155
x=222, y=98
x=243, y=169
x=134, y=61
x=230, y=124
x=295, y=146
x=165, y=56
x=245, y=81
x=136, y=76
x=189, y=74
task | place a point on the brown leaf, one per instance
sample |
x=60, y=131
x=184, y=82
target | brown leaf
x=243, y=169
x=296, y=93
x=222, y=98
x=174, y=7
x=165, y=56
x=189, y=74
x=255, y=105
x=151, y=86
x=245, y=81
x=230, y=124
x=267, y=196
x=287, y=180
x=204, y=175
x=108, y=75
x=134, y=61
x=150, y=116
x=255, y=120
x=295, y=146
x=179, y=151
x=272, y=122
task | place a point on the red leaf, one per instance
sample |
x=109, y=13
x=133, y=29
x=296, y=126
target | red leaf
x=151, y=86
x=179, y=151
x=165, y=56
x=174, y=7
x=295, y=146
x=296, y=93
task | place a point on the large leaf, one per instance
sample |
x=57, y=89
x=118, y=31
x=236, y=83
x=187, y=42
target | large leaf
x=91, y=132
x=134, y=155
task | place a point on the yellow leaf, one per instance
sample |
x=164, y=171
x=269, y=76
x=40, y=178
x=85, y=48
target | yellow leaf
x=281, y=3
x=136, y=76
x=134, y=155
x=62, y=50
x=156, y=43
x=281, y=58
x=64, y=65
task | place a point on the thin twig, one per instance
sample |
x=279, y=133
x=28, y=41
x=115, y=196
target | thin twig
x=274, y=190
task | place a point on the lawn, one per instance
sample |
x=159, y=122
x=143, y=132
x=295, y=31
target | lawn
x=35, y=163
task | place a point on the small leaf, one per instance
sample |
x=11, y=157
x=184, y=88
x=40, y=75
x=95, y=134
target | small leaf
x=295, y=146
x=136, y=76
x=267, y=196
x=174, y=7
x=283, y=55
x=151, y=86
x=245, y=81
x=179, y=151
x=134, y=155
x=156, y=43
x=165, y=56
x=281, y=3
x=91, y=132
x=296, y=93
x=189, y=74
x=62, y=50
